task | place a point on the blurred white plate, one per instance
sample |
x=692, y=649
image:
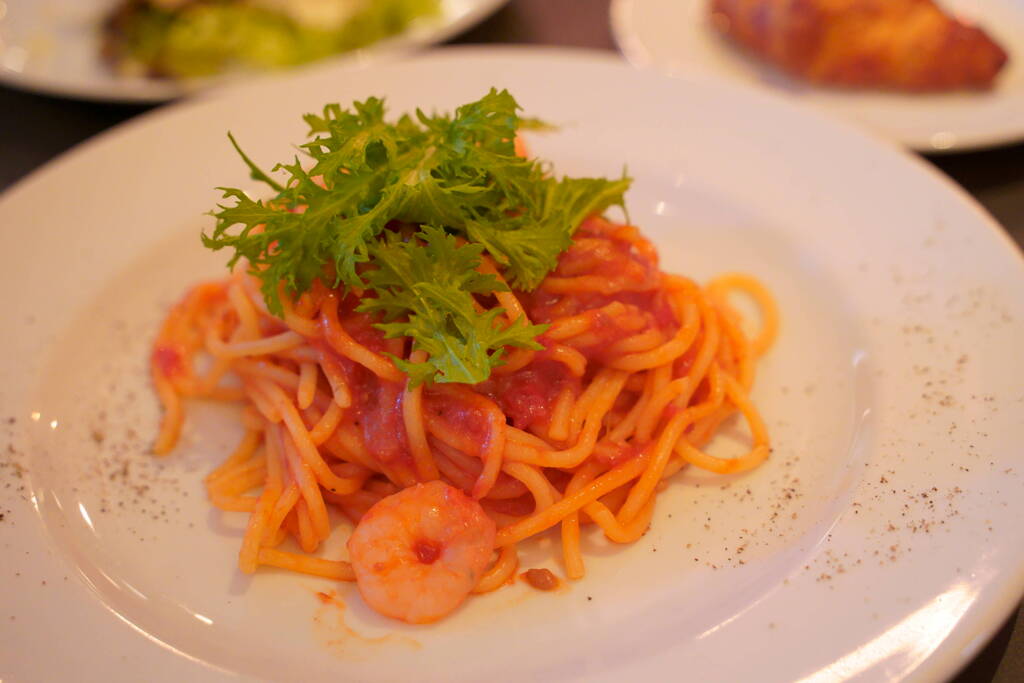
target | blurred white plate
x=676, y=36
x=53, y=47
x=882, y=539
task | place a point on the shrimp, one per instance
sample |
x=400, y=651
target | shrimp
x=419, y=552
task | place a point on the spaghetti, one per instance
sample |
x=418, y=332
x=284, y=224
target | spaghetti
x=637, y=372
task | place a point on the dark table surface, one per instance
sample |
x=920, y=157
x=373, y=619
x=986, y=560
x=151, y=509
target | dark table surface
x=34, y=129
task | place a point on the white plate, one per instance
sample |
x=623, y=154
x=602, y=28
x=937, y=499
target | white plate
x=53, y=47
x=882, y=539
x=675, y=35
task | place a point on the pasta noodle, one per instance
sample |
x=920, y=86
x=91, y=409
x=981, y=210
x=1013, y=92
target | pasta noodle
x=638, y=371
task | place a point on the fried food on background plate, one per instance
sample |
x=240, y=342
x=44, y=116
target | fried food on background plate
x=910, y=45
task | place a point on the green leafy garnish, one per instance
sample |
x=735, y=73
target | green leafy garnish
x=457, y=177
x=430, y=289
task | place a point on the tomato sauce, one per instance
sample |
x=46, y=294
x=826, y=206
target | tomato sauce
x=377, y=412
x=168, y=360
x=518, y=507
x=459, y=412
x=360, y=325
x=527, y=396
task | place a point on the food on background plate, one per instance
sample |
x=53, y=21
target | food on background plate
x=194, y=38
x=910, y=45
x=432, y=336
